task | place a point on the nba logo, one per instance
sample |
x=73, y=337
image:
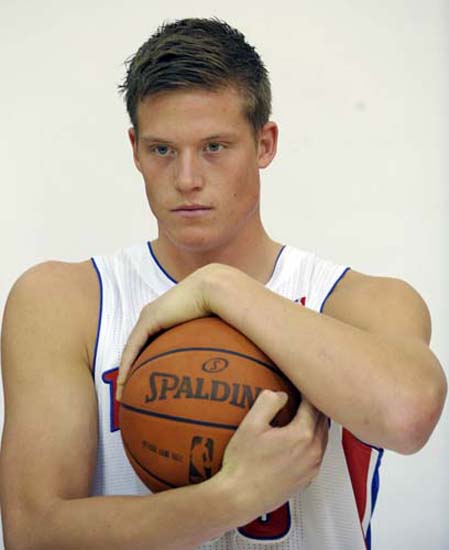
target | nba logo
x=201, y=457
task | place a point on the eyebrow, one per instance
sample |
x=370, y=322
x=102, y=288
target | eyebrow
x=214, y=137
x=223, y=135
x=154, y=139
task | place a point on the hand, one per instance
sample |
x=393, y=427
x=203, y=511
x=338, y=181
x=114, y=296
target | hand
x=265, y=465
x=187, y=300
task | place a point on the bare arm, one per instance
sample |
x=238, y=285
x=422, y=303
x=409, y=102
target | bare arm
x=50, y=437
x=365, y=362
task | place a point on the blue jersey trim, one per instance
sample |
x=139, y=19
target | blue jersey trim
x=170, y=278
x=156, y=261
x=375, y=485
x=332, y=289
x=100, y=317
x=275, y=264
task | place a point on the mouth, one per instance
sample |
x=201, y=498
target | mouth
x=192, y=211
x=191, y=208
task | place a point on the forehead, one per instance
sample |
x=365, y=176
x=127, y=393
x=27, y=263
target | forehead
x=198, y=111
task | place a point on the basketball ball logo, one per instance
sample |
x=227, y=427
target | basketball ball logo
x=201, y=459
x=186, y=395
x=217, y=364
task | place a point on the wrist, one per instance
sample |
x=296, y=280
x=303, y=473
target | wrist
x=233, y=502
x=218, y=281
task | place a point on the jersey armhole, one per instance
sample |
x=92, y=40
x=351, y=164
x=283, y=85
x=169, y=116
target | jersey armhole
x=100, y=316
x=323, y=303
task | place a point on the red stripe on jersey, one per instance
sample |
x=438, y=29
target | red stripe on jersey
x=358, y=457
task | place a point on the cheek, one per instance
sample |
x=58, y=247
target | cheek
x=246, y=184
x=150, y=199
x=155, y=185
x=154, y=196
x=245, y=199
x=242, y=170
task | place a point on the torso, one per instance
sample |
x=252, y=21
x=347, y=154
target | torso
x=324, y=516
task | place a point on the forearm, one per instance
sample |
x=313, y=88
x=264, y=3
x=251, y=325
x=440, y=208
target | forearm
x=173, y=520
x=360, y=379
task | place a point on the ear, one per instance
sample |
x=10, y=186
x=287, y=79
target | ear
x=133, y=139
x=267, y=144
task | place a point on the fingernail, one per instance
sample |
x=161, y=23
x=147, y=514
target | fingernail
x=283, y=395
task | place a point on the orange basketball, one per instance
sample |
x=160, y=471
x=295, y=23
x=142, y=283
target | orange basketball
x=186, y=394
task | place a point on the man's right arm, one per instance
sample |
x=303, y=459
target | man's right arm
x=50, y=439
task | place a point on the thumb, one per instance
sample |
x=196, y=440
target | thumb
x=265, y=408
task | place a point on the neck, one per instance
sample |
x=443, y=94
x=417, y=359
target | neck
x=255, y=257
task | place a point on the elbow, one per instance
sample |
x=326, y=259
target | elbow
x=23, y=530
x=15, y=531
x=415, y=420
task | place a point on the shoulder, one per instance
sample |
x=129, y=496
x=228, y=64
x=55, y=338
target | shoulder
x=58, y=298
x=51, y=281
x=380, y=304
x=63, y=274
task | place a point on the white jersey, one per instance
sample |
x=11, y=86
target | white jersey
x=334, y=512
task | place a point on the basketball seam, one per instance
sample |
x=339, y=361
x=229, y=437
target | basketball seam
x=179, y=418
x=146, y=470
x=272, y=368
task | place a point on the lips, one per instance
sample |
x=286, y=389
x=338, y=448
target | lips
x=192, y=211
x=191, y=208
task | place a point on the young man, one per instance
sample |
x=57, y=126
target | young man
x=199, y=100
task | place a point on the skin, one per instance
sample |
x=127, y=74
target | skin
x=365, y=362
x=197, y=148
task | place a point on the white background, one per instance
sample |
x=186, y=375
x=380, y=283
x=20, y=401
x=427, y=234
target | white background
x=362, y=98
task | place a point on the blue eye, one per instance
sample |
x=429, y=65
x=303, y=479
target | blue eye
x=161, y=150
x=214, y=147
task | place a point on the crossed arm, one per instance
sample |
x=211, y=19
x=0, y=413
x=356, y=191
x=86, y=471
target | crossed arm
x=371, y=372
x=365, y=363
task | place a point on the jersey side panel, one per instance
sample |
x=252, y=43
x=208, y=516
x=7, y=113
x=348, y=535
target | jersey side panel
x=122, y=291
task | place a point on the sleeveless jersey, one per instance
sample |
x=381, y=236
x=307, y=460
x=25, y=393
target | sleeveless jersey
x=334, y=512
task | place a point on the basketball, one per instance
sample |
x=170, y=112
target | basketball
x=186, y=394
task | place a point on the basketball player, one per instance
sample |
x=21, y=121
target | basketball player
x=356, y=346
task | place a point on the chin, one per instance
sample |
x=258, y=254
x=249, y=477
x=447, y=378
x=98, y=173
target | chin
x=196, y=242
x=196, y=246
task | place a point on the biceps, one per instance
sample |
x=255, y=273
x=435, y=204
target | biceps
x=384, y=306
x=49, y=440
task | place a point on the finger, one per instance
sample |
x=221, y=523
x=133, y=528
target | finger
x=137, y=339
x=322, y=423
x=322, y=431
x=265, y=408
x=307, y=415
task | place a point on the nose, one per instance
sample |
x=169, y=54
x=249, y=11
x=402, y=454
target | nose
x=188, y=175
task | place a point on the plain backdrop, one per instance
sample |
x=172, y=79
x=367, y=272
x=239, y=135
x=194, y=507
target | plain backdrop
x=361, y=96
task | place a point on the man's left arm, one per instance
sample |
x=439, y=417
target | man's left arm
x=364, y=362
